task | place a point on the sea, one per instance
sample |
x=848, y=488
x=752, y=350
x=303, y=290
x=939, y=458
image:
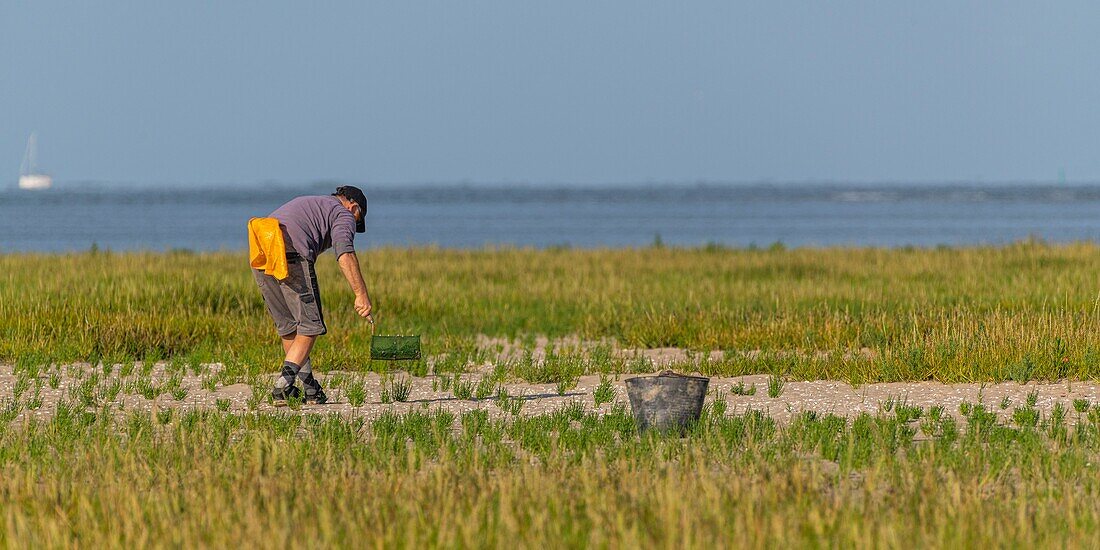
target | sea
x=121, y=217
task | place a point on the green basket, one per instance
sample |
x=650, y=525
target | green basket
x=395, y=348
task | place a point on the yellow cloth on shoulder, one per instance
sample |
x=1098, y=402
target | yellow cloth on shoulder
x=266, y=247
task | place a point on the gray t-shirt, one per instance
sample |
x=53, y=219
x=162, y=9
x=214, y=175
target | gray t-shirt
x=317, y=223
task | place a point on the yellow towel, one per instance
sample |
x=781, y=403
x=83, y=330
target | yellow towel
x=266, y=247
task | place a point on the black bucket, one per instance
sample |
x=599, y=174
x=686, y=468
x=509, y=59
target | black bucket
x=666, y=402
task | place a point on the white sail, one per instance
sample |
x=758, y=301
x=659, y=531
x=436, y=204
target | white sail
x=29, y=176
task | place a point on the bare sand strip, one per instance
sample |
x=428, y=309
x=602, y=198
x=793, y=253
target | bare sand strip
x=822, y=396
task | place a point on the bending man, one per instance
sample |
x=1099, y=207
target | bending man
x=310, y=226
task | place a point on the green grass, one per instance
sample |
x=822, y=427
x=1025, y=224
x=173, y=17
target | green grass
x=91, y=472
x=573, y=478
x=1026, y=311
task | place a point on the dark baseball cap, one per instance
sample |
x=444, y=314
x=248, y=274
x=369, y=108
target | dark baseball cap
x=353, y=194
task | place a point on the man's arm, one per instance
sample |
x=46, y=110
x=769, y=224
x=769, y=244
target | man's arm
x=349, y=264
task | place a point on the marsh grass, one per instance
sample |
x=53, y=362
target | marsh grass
x=1020, y=312
x=567, y=478
x=84, y=472
x=400, y=387
x=604, y=392
x=741, y=389
x=463, y=389
x=356, y=392
x=775, y=385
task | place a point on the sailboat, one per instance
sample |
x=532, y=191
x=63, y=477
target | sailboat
x=29, y=176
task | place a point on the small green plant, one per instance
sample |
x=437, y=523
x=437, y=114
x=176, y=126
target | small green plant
x=565, y=384
x=605, y=391
x=775, y=386
x=1057, y=414
x=400, y=389
x=209, y=383
x=740, y=389
x=1027, y=417
x=1005, y=402
x=22, y=384
x=507, y=403
x=356, y=391
x=485, y=387
x=887, y=404
x=222, y=404
x=110, y=391
x=463, y=389
x=164, y=416
x=1081, y=405
x=145, y=387
x=55, y=380
x=1032, y=398
x=148, y=364
x=444, y=383
x=35, y=402
x=510, y=404
x=260, y=392
x=717, y=408
x=179, y=393
x=905, y=413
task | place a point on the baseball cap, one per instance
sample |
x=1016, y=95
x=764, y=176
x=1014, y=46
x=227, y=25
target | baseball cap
x=355, y=195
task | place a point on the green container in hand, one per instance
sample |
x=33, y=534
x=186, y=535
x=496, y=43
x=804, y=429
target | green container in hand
x=394, y=348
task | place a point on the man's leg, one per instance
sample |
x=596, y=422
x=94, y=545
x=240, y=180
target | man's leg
x=297, y=351
x=311, y=320
x=286, y=377
x=276, y=301
x=296, y=363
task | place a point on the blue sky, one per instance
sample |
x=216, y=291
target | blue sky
x=565, y=92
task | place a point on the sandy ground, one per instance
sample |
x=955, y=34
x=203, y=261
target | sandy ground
x=821, y=396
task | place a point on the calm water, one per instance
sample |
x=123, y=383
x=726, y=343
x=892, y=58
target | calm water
x=73, y=217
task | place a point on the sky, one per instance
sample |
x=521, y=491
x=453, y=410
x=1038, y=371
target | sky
x=574, y=92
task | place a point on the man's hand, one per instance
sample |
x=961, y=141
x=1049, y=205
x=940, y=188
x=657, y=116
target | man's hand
x=363, y=307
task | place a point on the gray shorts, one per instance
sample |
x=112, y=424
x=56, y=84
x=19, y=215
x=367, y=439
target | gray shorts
x=295, y=302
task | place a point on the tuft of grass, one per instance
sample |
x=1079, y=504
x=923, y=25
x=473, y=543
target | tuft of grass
x=356, y=391
x=775, y=385
x=463, y=389
x=740, y=389
x=485, y=387
x=1032, y=398
x=605, y=391
x=400, y=389
x=179, y=393
x=1027, y=417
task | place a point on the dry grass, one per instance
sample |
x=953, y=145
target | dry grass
x=567, y=479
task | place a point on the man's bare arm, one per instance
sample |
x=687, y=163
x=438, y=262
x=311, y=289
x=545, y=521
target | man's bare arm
x=349, y=264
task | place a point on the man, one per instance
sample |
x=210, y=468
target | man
x=310, y=226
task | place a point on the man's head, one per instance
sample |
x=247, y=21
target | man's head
x=356, y=202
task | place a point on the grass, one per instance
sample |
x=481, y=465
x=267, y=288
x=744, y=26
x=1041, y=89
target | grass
x=1005, y=474
x=573, y=478
x=1021, y=312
